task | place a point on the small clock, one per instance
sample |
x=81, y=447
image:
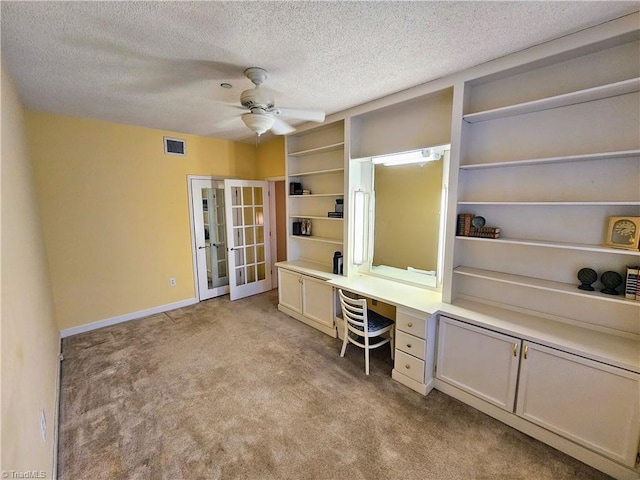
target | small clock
x=623, y=232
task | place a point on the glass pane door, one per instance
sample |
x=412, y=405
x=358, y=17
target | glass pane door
x=210, y=237
x=247, y=235
x=215, y=236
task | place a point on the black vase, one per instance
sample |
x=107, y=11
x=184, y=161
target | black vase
x=587, y=276
x=611, y=281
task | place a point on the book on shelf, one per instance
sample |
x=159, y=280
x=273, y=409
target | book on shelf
x=632, y=286
x=484, y=232
x=464, y=224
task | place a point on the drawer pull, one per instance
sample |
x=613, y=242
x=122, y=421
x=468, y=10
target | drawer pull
x=407, y=366
x=515, y=349
x=409, y=324
x=526, y=351
x=408, y=345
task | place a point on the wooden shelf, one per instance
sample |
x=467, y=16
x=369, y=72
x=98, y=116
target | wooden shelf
x=572, y=98
x=561, y=245
x=317, y=172
x=315, y=151
x=317, y=239
x=315, y=217
x=539, y=284
x=555, y=160
x=318, y=195
x=546, y=204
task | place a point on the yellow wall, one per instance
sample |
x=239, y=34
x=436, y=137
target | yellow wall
x=30, y=339
x=270, y=158
x=115, y=212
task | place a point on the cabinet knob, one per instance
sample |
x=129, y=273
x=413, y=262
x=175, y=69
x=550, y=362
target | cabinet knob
x=526, y=351
x=407, y=366
x=408, y=345
x=515, y=349
x=409, y=324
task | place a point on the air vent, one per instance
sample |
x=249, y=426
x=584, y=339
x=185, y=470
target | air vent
x=174, y=146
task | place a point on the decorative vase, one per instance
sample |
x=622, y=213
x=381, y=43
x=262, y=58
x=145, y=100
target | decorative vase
x=611, y=281
x=587, y=276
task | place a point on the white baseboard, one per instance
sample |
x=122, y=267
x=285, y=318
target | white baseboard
x=421, y=388
x=67, y=332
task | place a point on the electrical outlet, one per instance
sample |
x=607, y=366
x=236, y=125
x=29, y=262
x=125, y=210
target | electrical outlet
x=43, y=425
x=172, y=282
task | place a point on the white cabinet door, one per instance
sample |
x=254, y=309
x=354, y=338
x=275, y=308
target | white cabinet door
x=290, y=290
x=479, y=361
x=317, y=300
x=591, y=403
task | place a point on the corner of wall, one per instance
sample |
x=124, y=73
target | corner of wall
x=30, y=338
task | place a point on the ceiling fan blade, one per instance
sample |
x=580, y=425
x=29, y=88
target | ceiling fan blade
x=299, y=114
x=280, y=127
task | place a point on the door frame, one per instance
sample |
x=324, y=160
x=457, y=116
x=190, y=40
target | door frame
x=194, y=253
x=272, y=217
x=274, y=234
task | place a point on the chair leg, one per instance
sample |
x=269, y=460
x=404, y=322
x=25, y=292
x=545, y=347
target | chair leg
x=392, y=342
x=344, y=342
x=366, y=361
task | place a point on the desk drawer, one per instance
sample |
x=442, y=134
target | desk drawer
x=410, y=366
x=409, y=323
x=410, y=344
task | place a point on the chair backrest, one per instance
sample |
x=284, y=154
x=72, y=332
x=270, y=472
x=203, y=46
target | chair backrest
x=354, y=312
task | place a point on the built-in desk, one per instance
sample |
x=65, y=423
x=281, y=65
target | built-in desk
x=415, y=331
x=391, y=292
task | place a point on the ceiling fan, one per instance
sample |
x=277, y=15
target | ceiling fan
x=263, y=114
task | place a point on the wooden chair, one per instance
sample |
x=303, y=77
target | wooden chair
x=361, y=324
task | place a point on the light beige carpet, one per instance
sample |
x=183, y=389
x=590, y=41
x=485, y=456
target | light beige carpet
x=238, y=390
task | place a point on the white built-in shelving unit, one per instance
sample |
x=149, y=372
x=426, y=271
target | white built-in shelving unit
x=547, y=154
x=315, y=158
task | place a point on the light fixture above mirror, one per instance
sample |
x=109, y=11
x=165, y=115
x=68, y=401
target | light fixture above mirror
x=420, y=156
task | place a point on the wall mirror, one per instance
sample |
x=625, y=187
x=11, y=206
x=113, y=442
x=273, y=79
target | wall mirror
x=407, y=223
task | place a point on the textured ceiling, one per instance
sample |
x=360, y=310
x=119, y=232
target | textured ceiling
x=160, y=64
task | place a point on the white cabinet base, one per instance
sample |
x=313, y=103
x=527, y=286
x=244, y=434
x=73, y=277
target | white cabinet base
x=413, y=363
x=308, y=299
x=331, y=331
x=590, y=390
x=566, y=446
x=419, y=387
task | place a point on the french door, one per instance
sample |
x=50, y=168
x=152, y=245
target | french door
x=247, y=213
x=207, y=203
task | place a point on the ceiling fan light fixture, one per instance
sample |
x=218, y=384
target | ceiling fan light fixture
x=258, y=123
